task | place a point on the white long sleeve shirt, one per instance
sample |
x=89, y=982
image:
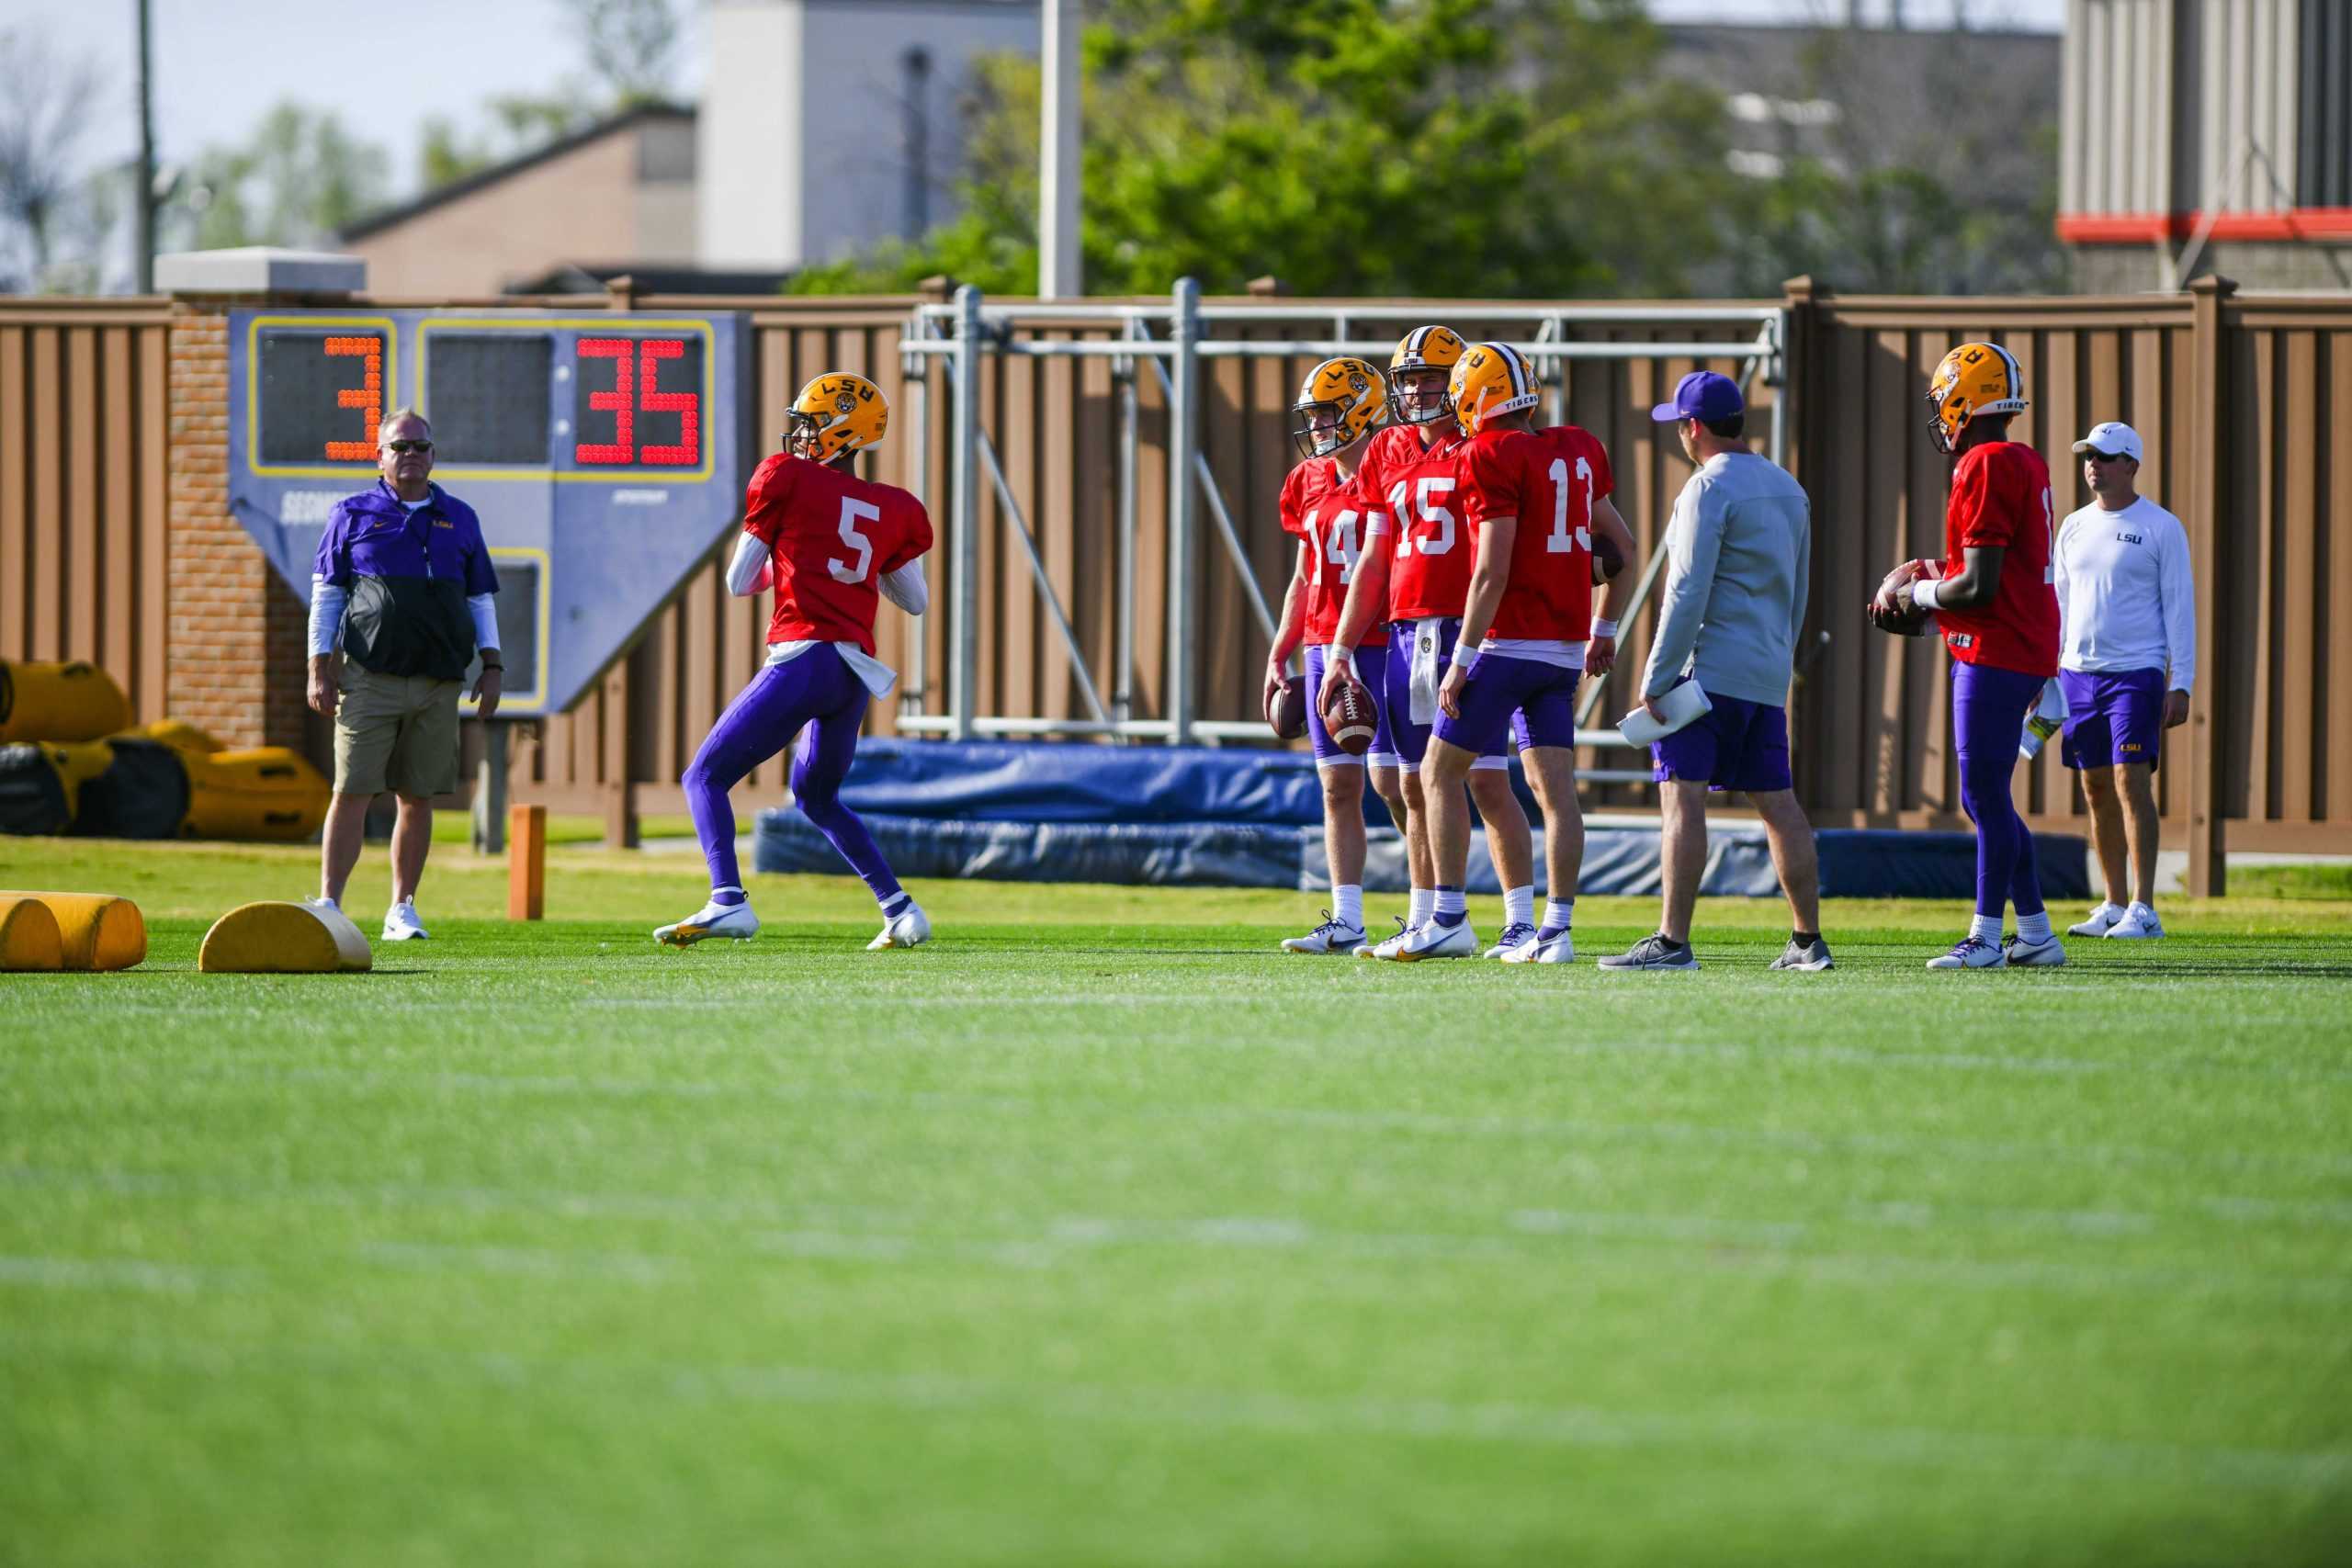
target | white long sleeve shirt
x=2125, y=597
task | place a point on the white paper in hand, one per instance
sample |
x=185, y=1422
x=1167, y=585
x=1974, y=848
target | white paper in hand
x=1682, y=704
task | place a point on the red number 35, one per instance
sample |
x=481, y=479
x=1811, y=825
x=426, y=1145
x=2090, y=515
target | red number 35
x=625, y=398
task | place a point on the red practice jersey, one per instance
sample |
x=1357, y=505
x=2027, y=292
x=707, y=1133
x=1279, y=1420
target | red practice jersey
x=831, y=536
x=1429, y=573
x=1330, y=515
x=1548, y=479
x=2000, y=495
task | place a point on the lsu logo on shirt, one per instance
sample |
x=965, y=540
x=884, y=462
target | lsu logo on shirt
x=2130, y=539
x=439, y=523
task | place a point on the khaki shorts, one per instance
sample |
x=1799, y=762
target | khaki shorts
x=396, y=732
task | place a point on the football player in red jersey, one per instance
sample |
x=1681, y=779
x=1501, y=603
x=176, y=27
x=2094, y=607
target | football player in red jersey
x=1419, y=588
x=833, y=546
x=1322, y=503
x=1992, y=598
x=1533, y=502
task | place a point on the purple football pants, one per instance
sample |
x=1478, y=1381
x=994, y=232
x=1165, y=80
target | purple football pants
x=818, y=690
x=1989, y=707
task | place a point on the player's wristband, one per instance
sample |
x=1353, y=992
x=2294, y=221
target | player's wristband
x=1604, y=629
x=1923, y=593
x=1462, y=664
x=1343, y=654
x=488, y=667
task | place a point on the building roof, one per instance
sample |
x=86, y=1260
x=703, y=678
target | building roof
x=626, y=119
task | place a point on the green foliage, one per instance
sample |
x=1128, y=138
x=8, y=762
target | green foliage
x=301, y=177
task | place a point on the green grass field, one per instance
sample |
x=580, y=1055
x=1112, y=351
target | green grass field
x=1099, y=1232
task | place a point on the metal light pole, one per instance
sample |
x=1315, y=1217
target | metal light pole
x=146, y=192
x=1057, y=151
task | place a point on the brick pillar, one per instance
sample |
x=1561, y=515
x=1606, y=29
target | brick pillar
x=234, y=664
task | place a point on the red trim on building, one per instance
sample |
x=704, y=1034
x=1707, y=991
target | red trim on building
x=2145, y=228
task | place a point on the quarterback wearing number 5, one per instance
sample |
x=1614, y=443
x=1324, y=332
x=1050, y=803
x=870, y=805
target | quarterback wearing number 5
x=833, y=546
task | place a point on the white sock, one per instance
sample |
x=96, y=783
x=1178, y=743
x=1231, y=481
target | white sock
x=1518, y=905
x=1349, y=897
x=1986, y=929
x=2034, y=929
x=1417, y=911
x=1449, y=901
x=1559, y=913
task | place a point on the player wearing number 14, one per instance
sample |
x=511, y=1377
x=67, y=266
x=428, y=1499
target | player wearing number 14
x=832, y=546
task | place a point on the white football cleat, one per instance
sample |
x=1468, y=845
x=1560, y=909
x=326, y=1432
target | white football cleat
x=401, y=923
x=1515, y=936
x=1331, y=936
x=908, y=928
x=1561, y=948
x=2103, y=918
x=1972, y=952
x=2138, y=920
x=1386, y=946
x=1436, y=941
x=2024, y=955
x=734, y=921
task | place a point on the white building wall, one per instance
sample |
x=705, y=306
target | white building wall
x=749, y=160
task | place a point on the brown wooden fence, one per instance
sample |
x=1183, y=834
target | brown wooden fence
x=2243, y=402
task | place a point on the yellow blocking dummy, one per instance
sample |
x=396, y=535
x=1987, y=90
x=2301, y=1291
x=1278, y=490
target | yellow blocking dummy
x=95, y=930
x=28, y=938
x=283, y=938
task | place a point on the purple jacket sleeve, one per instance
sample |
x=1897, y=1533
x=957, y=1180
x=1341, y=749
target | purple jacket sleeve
x=332, y=563
x=481, y=576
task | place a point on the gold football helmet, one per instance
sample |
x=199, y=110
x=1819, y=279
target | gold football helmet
x=1422, y=349
x=1490, y=380
x=838, y=411
x=1975, y=378
x=1349, y=397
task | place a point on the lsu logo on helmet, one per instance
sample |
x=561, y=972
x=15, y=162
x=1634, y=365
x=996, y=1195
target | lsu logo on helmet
x=1490, y=380
x=1975, y=378
x=1341, y=401
x=1422, y=349
x=837, y=413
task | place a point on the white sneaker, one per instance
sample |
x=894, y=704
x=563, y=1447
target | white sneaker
x=1972, y=953
x=1561, y=948
x=734, y=921
x=1386, y=946
x=1516, y=935
x=2138, y=920
x=1436, y=941
x=1331, y=936
x=2103, y=918
x=401, y=923
x=908, y=928
x=2024, y=955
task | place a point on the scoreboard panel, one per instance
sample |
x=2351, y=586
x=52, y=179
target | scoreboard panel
x=605, y=454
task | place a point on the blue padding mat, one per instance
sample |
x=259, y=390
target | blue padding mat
x=1014, y=781
x=1855, y=863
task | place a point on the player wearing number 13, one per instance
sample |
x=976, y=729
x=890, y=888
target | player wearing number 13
x=832, y=546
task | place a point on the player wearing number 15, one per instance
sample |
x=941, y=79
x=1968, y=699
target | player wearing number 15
x=832, y=546
x=1993, y=599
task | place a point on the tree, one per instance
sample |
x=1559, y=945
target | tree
x=45, y=106
x=302, y=178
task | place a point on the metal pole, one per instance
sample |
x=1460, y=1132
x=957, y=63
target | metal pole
x=1130, y=431
x=490, y=791
x=1183, y=440
x=145, y=195
x=917, y=386
x=964, y=664
x=1058, y=150
x=1781, y=391
x=1012, y=505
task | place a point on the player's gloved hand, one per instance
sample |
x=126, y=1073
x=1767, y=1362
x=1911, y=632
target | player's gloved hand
x=1599, y=655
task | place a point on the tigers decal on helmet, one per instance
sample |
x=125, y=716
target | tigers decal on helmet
x=838, y=411
x=1341, y=401
x=1975, y=378
x=1422, y=349
x=1489, y=382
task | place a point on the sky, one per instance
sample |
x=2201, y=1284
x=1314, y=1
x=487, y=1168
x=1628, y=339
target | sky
x=220, y=66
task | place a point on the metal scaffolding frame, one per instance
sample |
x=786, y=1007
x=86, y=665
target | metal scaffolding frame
x=1173, y=340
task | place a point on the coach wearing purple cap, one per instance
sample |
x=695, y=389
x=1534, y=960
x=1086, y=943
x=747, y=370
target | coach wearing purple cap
x=1739, y=551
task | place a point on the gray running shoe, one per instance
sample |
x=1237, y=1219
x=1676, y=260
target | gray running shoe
x=1651, y=953
x=1812, y=958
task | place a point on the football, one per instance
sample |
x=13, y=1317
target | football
x=1606, y=559
x=1908, y=619
x=1286, y=708
x=1350, y=720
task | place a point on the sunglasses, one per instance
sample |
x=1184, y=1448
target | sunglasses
x=408, y=445
x=2096, y=456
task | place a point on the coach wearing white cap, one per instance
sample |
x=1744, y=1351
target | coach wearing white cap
x=2127, y=655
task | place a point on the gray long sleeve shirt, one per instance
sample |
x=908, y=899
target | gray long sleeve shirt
x=1739, y=555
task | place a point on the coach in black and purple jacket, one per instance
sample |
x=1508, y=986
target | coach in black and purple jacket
x=401, y=597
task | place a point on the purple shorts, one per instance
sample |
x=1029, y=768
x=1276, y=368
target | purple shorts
x=1368, y=666
x=1736, y=744
x=1533, y=702
x=2113, y=718
x=1413, y=739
